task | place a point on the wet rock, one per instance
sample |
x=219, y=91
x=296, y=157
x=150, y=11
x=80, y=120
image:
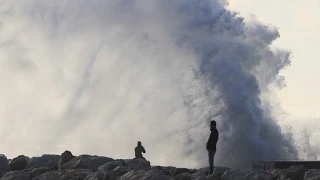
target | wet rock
x=19, y=163
x=46, y=160
x=212, y=177
x=166, y=170
x=4, y=165
x=112, y=165
x=68, y=174
x=87, y=162
x=115, y=173
x=65, y=157
x=184, y=176
x=247, y=174
x=37, y=171
x=295, y=172
x=312, y=173
x=219, y=171
x=177, y=171
x=143, y=175
x=138, y=164
x=16, y=175
x=98, y=175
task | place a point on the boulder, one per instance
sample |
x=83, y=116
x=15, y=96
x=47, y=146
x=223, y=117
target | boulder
x=112, y=165
x=177, y=171
x=166, y=170
x=312, y=174
x=138, y=164
x=16, y=175
x=68, y=174
x=202, y=172
x=315, y=178
x=4, y=165
x=47, y=160
x=65, y=157
x=212, y=177
x=143, y=175
x=37, y=171
x=87, y=162
x=184, y=176
x=277, y=173
x=219, y=171
x=247, y=174
x=115, y=173
x=295, y=172
x=200, y=178
x=133, y=175
x=19, y=163
x=98, y=175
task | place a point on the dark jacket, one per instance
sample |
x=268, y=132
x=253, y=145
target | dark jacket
x=138, y=151
x=212, y=141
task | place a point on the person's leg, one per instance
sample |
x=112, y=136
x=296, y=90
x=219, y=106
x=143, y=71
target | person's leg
x=210, y=154
x=213, y=153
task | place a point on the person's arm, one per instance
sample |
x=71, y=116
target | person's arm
x=143, y=150
x=208, y=142
x=217, y=136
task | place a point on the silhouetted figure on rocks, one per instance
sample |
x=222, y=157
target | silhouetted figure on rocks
x=139, y=150
x=211, y=144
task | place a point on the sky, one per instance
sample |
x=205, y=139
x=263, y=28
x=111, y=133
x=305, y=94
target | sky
x=299, y=26
x=95, y=77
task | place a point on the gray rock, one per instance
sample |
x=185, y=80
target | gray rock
x=47, y=160
x=276, y=173
x=138, y=164
x=112, y=165
x=219, y=171
x=177, y=171
x=65, y=157
x=133, y=175
x=68, y=174
x=201, y=171
x=247, y=174
x=212, y=177
x=200, y=178
x=315, y=178
x=295, y=172
x=87, y=162
x=143, y=175
x=312, y=173
x=98, y=175
x=16, y=175
x=115, y=173
x=154, y=175
x=37, y=171
x=166, y=170
x=4, y=165
x=184, y=176
x=19, y=163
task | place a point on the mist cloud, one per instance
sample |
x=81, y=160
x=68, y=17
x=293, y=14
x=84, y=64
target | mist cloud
x=97, y=76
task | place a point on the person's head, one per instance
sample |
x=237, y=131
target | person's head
x=139, y=143
x=213, y=124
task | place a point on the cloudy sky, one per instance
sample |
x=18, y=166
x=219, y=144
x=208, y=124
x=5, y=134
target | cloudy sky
x=299, y=25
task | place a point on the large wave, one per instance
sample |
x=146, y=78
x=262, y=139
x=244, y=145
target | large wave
x=96, y=76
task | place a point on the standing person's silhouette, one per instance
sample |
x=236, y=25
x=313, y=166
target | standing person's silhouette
x=211, y=144
x=139, y=150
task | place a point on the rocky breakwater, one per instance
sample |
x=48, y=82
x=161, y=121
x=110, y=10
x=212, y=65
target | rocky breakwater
x=86, y=167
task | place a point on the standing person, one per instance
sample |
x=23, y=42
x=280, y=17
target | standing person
x=211, y=144
x=139, y=150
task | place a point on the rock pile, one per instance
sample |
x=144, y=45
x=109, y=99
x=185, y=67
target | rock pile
x=87, y=167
